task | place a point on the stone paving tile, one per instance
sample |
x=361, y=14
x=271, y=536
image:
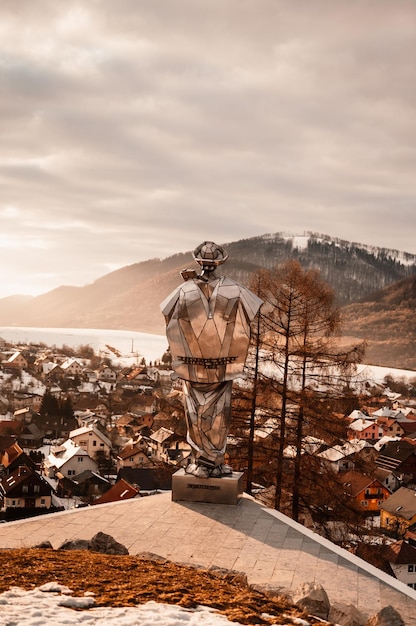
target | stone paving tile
x=284, y=579
x=267, y=546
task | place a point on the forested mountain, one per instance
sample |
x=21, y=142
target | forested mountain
x=353, y=270
x=129, y=298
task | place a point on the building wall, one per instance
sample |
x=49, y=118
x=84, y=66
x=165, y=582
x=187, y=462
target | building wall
x=406, y=573
x=78, y=464
x=42, y=502
x=90, y=442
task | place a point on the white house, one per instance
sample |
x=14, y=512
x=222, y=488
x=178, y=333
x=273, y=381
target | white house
x=342, y=458
x=69, y=460
x=91, y=439
x=402, y=558
x=17, y=360
x=72, y=367
x=107, y=373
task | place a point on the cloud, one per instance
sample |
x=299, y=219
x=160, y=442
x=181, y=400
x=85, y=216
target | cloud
x=135, y=130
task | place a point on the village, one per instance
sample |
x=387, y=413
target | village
x=80, y=429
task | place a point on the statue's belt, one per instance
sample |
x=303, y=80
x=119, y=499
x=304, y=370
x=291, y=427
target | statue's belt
x=207, y=363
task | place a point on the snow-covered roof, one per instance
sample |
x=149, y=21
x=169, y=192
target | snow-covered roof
x=357, y=415
x=380, y=443
x=361, y=424
x=70, y=362
x=14, y=357
x=49, y=366
x=310, y=445
x=66, y=452
x=162, y=434
x=341, y=452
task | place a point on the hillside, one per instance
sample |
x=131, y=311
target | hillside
x=129, y=298
x=387, y=319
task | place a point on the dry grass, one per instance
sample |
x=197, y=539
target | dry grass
x=130, y=580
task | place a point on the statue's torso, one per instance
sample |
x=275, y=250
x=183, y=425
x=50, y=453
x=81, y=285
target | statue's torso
x=208, y=329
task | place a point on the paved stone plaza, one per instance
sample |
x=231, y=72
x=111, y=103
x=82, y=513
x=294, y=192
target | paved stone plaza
x=268, y=546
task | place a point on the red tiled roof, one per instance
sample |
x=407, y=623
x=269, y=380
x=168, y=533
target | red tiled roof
x=122, y=490
x=400, y=553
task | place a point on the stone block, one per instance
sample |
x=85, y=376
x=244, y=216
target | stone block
x=224, y=490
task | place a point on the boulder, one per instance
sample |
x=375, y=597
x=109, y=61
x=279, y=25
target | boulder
x=312, y=598
x=386, y=617
x=75, y=544
x=229, y=574
x=44, y=545
x=106, y=545
x=346, y=615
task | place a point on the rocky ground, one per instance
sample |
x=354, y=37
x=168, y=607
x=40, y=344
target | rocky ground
x=130, y=580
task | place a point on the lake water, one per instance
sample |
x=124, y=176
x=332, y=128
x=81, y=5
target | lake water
x=131, y=343
x=151, y=347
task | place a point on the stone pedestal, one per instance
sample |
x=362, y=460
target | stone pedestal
x=224, y=490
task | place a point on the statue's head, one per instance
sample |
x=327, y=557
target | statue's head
x=209, y=255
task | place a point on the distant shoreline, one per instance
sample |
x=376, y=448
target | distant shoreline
x=146, y=345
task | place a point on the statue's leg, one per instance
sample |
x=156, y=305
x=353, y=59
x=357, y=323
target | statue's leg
x=208, y=416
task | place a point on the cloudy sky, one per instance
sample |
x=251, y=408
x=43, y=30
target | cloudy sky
x=137, y=129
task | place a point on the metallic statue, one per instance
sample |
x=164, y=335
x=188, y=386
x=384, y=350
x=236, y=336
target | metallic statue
x=208, y=331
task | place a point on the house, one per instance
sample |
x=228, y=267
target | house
x=91, y=439
x=92, y=405
x=368, y=493
x=30, y=436
x=390, y=427
x=401, y=556
x=25, y=415
x=356, y=415
x=55, y=426
x=143, y=403
x=13, y=457
x=23, y=400
x=169, y=447
x=107, y=374
x=134, y=455
x=143, y=419
x=68, y=459
x=121, y=490
x=24, y=489
x=72, y=368
x=388, y=479
x=148, y=479
x=394, y=413
x=88, y=485
x=398, y=512
x=131, y=424
x=365, y=429
x=342, y=458
x=51, y=372
x=399, y=456
x=17, y=361
x=141, y=377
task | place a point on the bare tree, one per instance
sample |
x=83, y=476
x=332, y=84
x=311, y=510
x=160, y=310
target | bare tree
x=299, y=331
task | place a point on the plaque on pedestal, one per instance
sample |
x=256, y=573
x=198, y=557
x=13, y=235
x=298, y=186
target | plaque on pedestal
x=224, y=490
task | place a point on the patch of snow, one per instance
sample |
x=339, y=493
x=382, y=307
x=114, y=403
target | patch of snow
x=53, y=605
